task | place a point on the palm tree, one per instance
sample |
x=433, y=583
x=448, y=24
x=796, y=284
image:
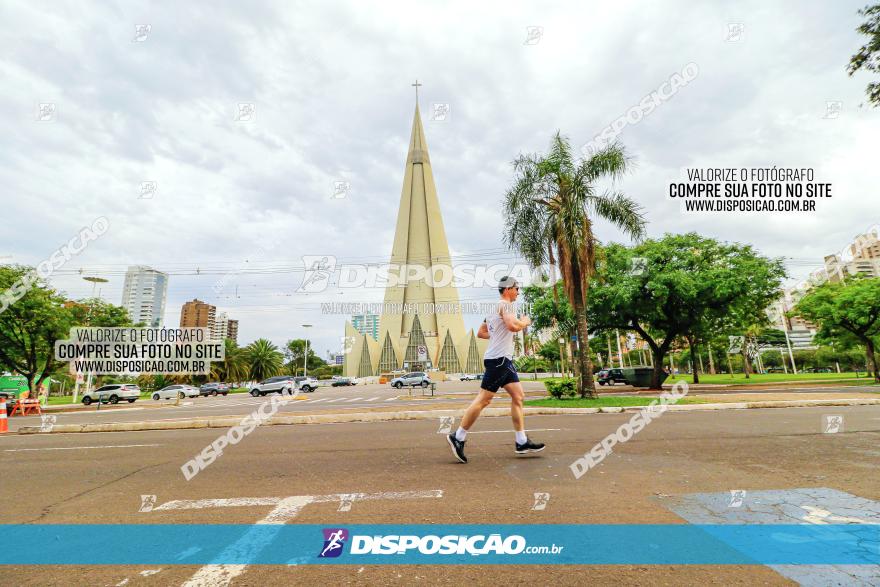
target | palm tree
x=262, y=359
x=550, y=211
x=233, y=367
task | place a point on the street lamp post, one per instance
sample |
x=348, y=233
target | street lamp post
x=306, y=358
x=94, y=281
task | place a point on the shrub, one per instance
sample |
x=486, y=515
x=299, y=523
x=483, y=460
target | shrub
x=561, y=388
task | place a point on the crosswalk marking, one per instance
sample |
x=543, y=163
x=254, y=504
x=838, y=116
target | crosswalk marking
x=355, y=399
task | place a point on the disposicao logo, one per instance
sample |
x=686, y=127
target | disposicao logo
x=334, y=541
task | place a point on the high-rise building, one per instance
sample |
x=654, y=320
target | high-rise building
x=143, y=295
x=232, y=330
x=423, y=339
x=366, y=324
x=198, y=314
x=221, y=326
x=860, y=257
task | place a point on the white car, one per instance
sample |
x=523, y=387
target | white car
x=113, y=393
x=306, y=384
x=282, y=384
x=173, y=391
x=416, y=378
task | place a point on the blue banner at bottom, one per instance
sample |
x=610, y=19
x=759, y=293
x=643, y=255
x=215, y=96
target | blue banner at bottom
x=382, y=544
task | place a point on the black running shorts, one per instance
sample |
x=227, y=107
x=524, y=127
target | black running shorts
x=498, y=373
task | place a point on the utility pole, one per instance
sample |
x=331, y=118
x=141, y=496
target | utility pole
x=306, y=358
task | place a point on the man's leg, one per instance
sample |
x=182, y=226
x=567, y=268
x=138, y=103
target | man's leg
x=516, y=393
x=483, y=399
x=523, y=444
x=456, y=439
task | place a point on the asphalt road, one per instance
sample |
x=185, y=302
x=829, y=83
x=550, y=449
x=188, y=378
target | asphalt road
x=100, y=478
x=332, y=399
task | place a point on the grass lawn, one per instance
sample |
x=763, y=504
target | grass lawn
x=849, y=378
x=602, y=402
x=740, y=379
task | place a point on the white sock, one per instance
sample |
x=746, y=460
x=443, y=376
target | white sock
x=460, y=434
x=521, y=437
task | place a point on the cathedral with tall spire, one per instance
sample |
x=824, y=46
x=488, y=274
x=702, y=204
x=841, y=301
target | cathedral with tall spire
x=421, y=326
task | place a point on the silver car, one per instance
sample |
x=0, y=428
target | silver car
x=411, y=379
x=280, y=384
x=173, y=391
x=113, y=393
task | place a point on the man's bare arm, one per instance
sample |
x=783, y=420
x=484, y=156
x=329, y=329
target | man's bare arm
x=483, y=331
x=513, y=323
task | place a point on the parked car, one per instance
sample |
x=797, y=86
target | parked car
x=214, y=389
x=172, y=391
x=279, y=384
x=305, y=384
x=411, y=379
x=343, y=382
x=611, y=376
x=113, y=393
x=471, y=377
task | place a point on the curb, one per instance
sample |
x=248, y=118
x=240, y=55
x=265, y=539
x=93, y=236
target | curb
x=282, y=419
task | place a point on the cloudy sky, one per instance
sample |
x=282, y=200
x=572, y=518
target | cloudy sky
x=331, y=87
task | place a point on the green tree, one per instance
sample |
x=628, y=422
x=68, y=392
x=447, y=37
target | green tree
x=868, y=56
x=549, y=351
x=233, y=367
x=295, y=356
x=263, y=359
x=850, y=307
x=679, y=285
x=550, y=210
x=549, y=309
x=30, y=326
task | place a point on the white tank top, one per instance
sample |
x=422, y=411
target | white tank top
x=500, y=338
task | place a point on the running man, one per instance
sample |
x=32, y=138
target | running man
x=499, y=371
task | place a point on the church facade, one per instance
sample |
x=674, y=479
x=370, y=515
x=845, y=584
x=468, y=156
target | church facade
x=421, y=326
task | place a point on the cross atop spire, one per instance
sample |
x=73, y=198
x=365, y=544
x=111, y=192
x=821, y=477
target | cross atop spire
x=416, y=86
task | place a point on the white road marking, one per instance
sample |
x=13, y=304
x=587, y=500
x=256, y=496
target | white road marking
x=391, y=399
x=817, y=515
x=372, y=399
x=285, y=510
x=508, y=431
x=354, y=399
x=79, y=447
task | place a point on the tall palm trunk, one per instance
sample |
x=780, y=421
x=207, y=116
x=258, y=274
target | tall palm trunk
x=586, y=387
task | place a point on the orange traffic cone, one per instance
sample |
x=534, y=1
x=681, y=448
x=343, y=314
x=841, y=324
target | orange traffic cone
x=4, y=423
